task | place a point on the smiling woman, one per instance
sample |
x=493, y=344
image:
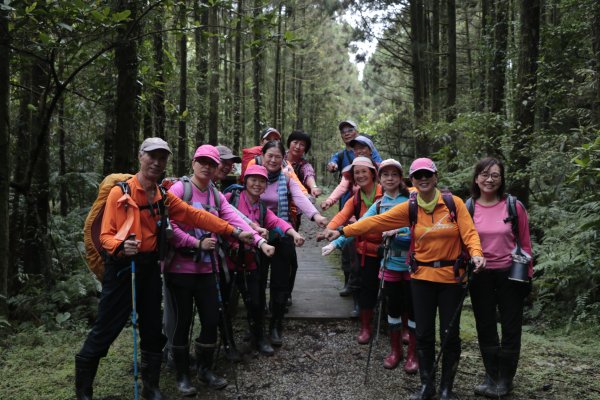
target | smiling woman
x=437, y=239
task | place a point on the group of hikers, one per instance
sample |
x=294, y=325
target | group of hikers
x=421, y=247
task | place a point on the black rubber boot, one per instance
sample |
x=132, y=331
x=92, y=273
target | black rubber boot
x=450, y=361
x=181, y=359
x=85, y=372
x=427, y=375
x=355, y=313
x=205, y=354
x=259, y=338
x=489, y=356
x=231, y=351
x=276, y=326
x=507, y=368
x=150, y=368
x=346, y=290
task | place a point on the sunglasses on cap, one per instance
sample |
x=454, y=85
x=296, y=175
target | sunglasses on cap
x=422, y=173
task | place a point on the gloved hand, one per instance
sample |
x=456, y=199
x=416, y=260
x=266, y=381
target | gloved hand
x=327, y=249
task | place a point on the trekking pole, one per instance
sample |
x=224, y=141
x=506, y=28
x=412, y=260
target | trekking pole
x=444, y=342
x=386, y=248
x=134, y=324
x=223, y=315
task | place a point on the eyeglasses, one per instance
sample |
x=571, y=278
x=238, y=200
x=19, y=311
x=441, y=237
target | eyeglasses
x=422, y=173
x=487, y=176
x=347, y=130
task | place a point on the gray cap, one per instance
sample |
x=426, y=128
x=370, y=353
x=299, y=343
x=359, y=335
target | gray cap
x=363, y=140
x=347, y=122
x=226, y=154
x=155, y=143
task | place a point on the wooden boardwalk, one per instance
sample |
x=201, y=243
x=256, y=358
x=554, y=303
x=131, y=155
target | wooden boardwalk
x=318, y=282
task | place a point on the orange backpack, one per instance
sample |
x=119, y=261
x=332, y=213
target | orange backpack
x=93, y=222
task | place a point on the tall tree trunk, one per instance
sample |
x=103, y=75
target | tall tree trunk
x=596, y=49
x=237, y=95
x=525, y=96
x=468, y=44
x=417, y=66
x=109, y=135
x=213, y=110
x=435, y=60
x=276, y=83
x=182, y=148
x=498, y=73
x=257, y=47
x=63, y=194
x=158, y=91
x=451, y=85
x=37, y=195
x=484, y=52
x=5, y=165
x=126, y=105
x=201, y=47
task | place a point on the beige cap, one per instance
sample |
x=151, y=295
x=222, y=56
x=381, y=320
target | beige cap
x=155, y=143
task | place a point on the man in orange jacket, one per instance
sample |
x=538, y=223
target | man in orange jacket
x=148, y=204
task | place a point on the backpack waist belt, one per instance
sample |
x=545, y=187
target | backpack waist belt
x=437, y=264
x=395, y=252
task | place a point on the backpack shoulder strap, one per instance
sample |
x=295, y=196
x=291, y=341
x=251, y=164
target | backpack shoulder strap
x=124, y=187
x=449, y=201
x=216, y=195
x=356, y=204
x=187, y=189
x=470, y=204
x=258, y=160
x=413, y=208
x=378, y=206
x=513, y=218
x=263, y=213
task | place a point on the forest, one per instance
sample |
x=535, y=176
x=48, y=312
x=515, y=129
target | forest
x=83, y=82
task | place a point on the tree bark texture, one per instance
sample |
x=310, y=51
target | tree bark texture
x=596, y=49
x=158, y=91
x=237, y=92
x=498, y=70
x=126, y=104
x=5, y=165
x=63, y=194
x=256, y=51
x=182, y=147
x=525, y=97
x=201, y=47
x=451, y=81
x=213, y=109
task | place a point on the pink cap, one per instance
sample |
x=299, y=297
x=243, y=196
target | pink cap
x=206, y=150
x=422, y=163
x=256, y=170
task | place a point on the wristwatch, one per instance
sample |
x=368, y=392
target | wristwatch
x=340, y=229
x=236, y=232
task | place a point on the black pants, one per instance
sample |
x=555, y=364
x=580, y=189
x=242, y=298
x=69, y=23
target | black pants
x=398, y=299
x=369, y=282
x=351, y=265
x=187, y=289
x=248, y=284
x=115, y=306
x=428, y=298
x=281, y=266
x=491, y=290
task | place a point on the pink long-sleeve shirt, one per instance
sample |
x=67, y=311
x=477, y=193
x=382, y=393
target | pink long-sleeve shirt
x=183, y=237
x=271, y=198
x=252, y=211
x=497, y=238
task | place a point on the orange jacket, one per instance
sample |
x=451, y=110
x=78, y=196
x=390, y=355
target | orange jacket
x=436, y=237
x=144, y=224
x=367, y=242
